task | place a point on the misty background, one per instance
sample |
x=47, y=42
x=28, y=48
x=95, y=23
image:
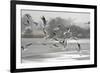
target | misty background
x=79, y=23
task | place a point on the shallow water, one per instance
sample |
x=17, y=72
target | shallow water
x=42, y=49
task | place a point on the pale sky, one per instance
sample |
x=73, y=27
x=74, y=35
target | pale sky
x=76, y=17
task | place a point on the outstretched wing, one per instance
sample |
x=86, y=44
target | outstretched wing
x=55, y=45
x=79, y=46
x=29, y=44
x=44, y=20
x=35, y=23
